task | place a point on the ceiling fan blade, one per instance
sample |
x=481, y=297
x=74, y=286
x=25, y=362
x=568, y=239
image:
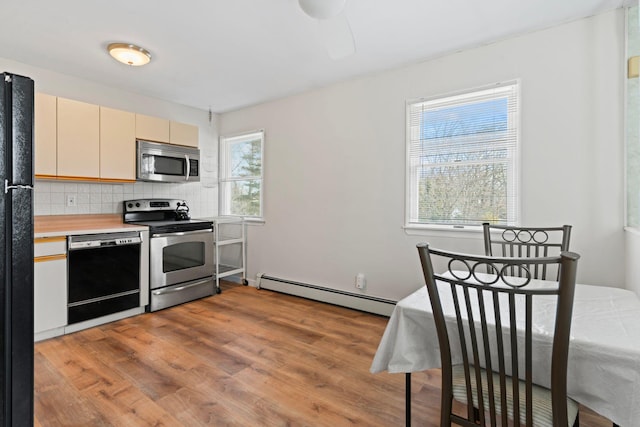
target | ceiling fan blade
x=337, y=36
x=322, y=9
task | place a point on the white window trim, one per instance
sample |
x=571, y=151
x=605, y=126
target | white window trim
x=222, y=159
x=442, y=230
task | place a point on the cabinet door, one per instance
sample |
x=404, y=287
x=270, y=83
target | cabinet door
x=50, y=284
x=78, y=139
x=152, y=128
x=183, y=134
x=117, y=144
x=45, y=136
x=50, y=295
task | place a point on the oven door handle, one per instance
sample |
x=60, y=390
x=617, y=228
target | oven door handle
x=186, y=177
x=183, y=233
x=180, y=288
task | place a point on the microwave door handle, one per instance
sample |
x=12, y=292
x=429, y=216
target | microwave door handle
x=186, y=178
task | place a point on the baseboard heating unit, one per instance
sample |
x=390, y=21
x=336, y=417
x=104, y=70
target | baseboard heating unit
x=355, y=301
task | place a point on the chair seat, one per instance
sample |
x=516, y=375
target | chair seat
x=541, y=397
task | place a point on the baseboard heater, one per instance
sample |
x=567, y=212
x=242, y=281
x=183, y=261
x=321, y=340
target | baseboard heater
x=355, y=301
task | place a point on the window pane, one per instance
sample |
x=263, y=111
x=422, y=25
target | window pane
x=465, y=119
x=463, y=158
x=245, y=158
x=241, y=173
x=466, y=194
x=243, y=197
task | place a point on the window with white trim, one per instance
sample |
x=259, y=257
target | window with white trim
x=241, y=175
x=462, y=158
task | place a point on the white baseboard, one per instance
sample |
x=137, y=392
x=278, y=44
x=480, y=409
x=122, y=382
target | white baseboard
x=355, y=301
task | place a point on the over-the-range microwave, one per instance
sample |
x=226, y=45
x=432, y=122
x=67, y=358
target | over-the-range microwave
x=167, y=163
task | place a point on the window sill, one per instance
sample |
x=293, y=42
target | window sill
x=464, y=231
x=246, y=220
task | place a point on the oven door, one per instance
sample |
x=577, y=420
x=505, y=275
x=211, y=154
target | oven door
x=180, y=257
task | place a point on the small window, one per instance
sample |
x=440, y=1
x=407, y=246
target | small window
x=241, y=175
x=462, y=158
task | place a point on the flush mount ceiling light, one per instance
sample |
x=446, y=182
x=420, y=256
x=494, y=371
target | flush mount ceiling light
x=129, y=54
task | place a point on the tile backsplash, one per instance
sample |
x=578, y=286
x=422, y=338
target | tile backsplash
x=51, y=197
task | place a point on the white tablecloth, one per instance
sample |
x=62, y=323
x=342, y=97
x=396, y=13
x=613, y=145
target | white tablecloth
x=604, y=353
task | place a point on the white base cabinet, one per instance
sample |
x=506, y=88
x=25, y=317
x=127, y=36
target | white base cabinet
x=50, y=287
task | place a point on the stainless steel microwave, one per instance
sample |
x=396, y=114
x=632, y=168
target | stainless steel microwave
x=167, y=163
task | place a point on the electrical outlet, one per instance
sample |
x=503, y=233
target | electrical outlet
x=360, y=281
x=71, y=200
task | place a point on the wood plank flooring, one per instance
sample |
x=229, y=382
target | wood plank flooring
x=245, y=357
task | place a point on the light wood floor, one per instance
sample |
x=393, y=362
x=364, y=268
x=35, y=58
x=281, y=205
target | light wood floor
x=246, y=357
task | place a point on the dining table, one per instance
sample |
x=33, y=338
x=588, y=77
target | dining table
x=604, y=348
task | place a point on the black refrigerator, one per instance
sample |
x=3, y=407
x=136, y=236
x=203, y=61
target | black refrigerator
x=16, y=243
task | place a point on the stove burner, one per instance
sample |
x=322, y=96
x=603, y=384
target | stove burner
x=163, y=227
x=162, y=215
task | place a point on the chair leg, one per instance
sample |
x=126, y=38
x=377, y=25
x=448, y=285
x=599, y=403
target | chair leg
x=476, y=414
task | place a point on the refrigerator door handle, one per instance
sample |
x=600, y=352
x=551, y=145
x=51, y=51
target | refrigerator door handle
x=8, y=187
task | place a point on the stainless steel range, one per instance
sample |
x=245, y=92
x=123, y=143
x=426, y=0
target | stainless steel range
x=181, y=264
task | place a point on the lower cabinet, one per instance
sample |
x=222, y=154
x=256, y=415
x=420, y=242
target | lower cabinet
x=50, y=287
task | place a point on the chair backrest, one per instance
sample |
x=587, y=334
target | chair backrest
x=527, y=242
x=474, y=312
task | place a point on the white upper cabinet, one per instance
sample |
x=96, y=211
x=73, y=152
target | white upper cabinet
x=78, y=139
x=162, y=130
x=117, y=144
x=152, y=128
x=183, y=134
x=45, y=135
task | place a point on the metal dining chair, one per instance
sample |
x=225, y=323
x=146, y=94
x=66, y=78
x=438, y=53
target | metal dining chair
x=487, y=364
x=526, y=242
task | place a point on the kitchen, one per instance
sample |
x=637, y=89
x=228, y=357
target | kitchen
x=90, y=267
x=152, y=256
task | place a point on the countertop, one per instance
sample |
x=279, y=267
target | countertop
x=67, y=225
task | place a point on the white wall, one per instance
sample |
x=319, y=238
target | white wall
x=335, y=160
x=107, y=198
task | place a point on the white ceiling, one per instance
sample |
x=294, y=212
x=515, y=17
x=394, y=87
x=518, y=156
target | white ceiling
x=227, y=54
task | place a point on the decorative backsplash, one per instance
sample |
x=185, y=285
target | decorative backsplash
x=51, y=197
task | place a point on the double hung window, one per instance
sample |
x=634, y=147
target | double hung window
x=462, y=158
x=241, y=175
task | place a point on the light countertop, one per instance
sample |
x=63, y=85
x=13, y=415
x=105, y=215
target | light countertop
x=66, y=225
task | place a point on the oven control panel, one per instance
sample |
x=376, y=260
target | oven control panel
x=127, y=241
x=83, y=245
x=101, y=240
x=153, y=205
